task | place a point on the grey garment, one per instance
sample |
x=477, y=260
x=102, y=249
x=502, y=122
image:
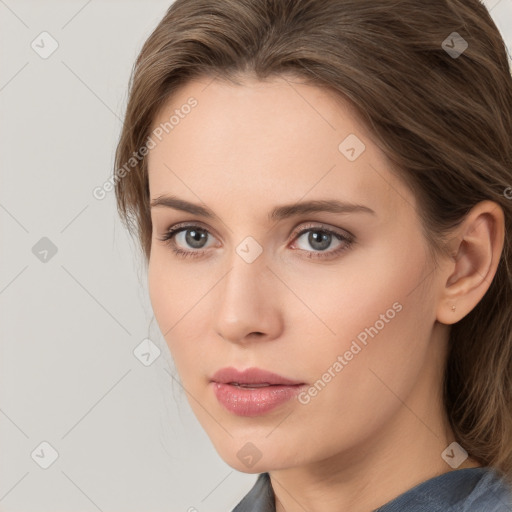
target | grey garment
x=463, y=490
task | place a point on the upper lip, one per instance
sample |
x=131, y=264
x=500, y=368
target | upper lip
x=251, y=376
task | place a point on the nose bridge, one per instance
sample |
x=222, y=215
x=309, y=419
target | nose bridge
x=244, y=299
x=243, y=286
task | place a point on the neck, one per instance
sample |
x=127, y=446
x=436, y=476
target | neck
x=400, y=454
x=363, y=480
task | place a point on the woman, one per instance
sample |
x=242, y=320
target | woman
x=322, y=194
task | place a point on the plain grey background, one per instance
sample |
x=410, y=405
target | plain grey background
x=116, y=435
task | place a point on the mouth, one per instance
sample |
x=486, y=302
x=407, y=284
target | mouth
x=252, y=392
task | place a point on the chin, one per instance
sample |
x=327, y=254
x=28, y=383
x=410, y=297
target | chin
x=248, y=459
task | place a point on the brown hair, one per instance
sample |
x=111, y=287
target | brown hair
x=444, y=120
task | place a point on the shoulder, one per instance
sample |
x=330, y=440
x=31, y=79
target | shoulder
x=491, y=494
x=464, y=490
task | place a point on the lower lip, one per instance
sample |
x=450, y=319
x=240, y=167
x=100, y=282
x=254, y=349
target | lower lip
x=256, y=401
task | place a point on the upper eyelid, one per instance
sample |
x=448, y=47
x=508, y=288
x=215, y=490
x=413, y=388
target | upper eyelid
x=322, y=227
x=297, y=230
x=185, y=225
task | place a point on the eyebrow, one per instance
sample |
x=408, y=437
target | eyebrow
x=278, y=213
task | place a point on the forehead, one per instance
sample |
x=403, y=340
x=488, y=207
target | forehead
x=267, y=142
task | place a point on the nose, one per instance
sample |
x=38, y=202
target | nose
x=247, y=303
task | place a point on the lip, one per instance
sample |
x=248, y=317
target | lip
x=251, y=376
x=272, y=390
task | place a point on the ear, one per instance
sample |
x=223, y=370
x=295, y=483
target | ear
x=476, y=247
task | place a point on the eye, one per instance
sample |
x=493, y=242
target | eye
x=319, y=238
x=190, y=234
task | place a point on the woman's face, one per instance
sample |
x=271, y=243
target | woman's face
x=341, y=301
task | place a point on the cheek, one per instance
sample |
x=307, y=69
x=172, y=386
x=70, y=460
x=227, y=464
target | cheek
x=382, y=320
x=343, y=301
x=172, y=288
x=159, y=286
x=371, y=379
x=180, y=305
x=167, y=293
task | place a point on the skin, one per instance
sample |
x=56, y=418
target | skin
x=378, y=428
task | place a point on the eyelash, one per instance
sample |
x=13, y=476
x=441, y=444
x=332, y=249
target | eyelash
x=170, y=234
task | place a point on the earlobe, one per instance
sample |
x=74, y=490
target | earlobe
x=478, y=244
